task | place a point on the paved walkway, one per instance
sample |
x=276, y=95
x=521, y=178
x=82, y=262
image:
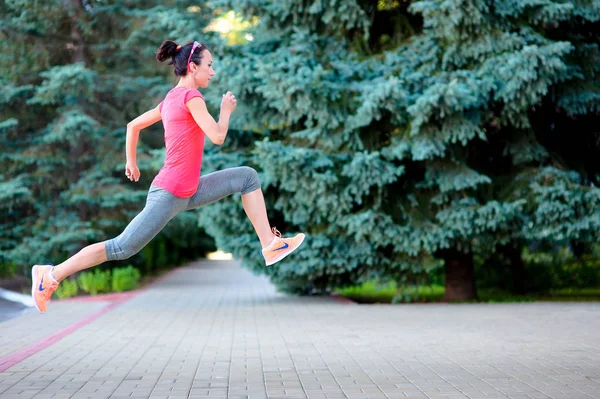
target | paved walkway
x=213, y=330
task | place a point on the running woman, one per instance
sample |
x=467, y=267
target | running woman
x=178, y=186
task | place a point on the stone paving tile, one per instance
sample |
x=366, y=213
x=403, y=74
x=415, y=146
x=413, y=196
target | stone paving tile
x=21, y=332
x=213, y=330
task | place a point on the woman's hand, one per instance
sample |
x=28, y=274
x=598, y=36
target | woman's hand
x=132, y=172
x=228, y=102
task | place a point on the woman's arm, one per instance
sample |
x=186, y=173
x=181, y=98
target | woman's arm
x=216, y=131
x=133, y=132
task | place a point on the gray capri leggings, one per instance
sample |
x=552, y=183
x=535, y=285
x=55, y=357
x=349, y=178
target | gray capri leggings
x=162, y=206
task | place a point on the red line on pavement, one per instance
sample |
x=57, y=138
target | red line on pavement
x=115, y=299
x=342, y=299
x=17, y=357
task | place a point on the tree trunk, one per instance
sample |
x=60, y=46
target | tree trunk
x=517, y=267
x=460, y=276
x=76, y=12
x=78, y=44
x=578, y=249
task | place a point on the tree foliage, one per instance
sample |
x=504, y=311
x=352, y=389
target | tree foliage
x=402, y=135
x=73, y=74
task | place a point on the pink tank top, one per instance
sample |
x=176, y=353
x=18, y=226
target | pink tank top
x=184, y=141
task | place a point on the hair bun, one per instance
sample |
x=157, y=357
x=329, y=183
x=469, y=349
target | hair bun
x=167, y=50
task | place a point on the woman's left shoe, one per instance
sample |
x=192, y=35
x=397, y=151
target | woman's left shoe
x=281, y=247
x=42, y=286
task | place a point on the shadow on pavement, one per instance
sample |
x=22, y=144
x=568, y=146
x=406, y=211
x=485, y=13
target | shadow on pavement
x=8, y=310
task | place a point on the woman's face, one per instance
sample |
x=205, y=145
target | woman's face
x=203, y=72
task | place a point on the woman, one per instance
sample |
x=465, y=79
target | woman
x=178, y=185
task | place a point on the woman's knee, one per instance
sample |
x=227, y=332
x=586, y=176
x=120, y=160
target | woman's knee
x=120, y=251
x=252, y=180
x=128, y=252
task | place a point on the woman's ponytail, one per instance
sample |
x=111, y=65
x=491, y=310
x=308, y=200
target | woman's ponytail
x=180, y=55
x=167, y=50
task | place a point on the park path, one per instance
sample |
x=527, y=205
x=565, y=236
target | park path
x=214, y=330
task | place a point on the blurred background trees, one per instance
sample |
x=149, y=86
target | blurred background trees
x=74, y=73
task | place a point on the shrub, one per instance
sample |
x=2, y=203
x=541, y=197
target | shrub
x=125, y=279
x=67, y=288
x=94, y=282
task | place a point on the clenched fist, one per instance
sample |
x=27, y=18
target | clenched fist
x=228, y=102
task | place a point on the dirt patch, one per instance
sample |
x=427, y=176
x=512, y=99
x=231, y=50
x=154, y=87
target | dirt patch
x=17, y=284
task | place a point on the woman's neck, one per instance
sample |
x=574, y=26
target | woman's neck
x=186, y=83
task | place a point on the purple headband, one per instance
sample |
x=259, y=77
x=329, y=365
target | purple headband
x=196, y=44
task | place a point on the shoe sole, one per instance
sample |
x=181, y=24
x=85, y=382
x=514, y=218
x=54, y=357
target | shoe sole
x=280, y=257
x=33, y=274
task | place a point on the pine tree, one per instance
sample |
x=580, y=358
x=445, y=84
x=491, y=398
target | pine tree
x=399, y=135
x=74, y=73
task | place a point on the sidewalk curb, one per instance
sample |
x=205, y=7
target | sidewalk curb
x=17, y=297
x=342, y=299
x=116, y=296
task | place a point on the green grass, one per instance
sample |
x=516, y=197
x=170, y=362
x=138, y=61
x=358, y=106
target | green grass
x=576, y=292
x=571, y=294
x=372, y=292
x=493, y=295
